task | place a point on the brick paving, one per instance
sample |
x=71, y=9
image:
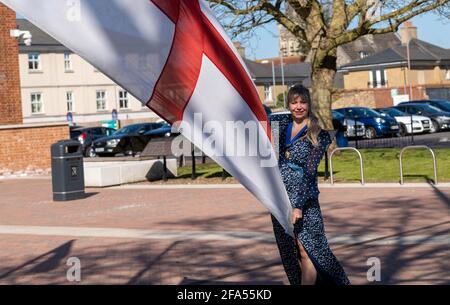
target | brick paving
x=135, y=236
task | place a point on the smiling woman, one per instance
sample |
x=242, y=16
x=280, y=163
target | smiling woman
x=307, y=258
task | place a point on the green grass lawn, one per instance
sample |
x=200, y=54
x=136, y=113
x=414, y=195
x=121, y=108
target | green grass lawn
x=208, y=170
x=380, y=165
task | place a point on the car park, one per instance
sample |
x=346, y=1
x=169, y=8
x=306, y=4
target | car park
x=118, y=143
x=407, y=123
x=440, y=120
x=375, y=124
x=86, y=135
x=443, y=105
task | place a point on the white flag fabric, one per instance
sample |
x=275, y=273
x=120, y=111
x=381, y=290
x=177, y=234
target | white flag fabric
x=174, y=57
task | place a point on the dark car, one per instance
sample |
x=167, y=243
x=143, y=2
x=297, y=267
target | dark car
x=440, y=120
x=349, y=127
x=376, y=124
x=443, y=105
x=119, y=142
x=164, y=131
x=89, y=134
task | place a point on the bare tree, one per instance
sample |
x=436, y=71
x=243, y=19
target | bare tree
x=321, y=26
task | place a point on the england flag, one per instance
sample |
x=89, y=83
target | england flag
x=174, y=57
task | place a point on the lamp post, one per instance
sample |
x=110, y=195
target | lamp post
x=282, y=77
x=274, y=84
x=409, y=71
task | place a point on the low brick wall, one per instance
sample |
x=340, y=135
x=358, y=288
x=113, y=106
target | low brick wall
x=372, y=98
x=26, y=148
x=347, y=98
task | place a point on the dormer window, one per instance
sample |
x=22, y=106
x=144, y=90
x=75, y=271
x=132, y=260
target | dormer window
x=363, y=54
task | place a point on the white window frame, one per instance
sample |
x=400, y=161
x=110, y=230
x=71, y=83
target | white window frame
x=268, y=93
x=371, y=79
x=34, y=59
x=70, y=101
x=447, y=74
x=363, y=54
x=68, y=62
x=36, y=101
x=101, y=100
x=124, y=99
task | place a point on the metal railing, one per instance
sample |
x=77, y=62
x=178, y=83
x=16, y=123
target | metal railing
x=360, y=162
x=418, y=147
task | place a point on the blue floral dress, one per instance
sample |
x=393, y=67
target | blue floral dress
x=298, y=161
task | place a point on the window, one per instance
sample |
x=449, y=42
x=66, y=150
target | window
x=123, y=99
x=34, y=62
x=36, y=103
x=447, y=74
x=377, y=78
x=101, y=100
x=363, y=54
x=69, y=100
x=268, y=93
x=67, y=62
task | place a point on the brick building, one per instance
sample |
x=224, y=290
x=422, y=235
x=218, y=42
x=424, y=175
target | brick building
x=387, y=76
x=11, y=107
x=25, y=148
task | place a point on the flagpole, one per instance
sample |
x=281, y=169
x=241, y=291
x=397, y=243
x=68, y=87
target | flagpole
x=282, y=79
x=274, y=84
x=409, y=71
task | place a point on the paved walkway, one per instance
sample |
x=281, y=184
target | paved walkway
x=162, y=235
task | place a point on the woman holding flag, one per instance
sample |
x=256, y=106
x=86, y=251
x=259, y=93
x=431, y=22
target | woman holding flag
x=307, y=259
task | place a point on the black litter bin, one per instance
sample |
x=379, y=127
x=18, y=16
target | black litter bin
x=67, y=170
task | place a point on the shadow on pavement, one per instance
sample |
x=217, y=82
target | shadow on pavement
x=52, y=260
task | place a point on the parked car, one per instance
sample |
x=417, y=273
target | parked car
x=164, y=131
x=440, y=120
x=376, y=125
x=349, y=125
x=89, y=134
x=443, y=105
x=118, y=142
x=420, y=124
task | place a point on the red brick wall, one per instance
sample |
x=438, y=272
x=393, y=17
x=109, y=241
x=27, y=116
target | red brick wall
x=372, y=98
x=10, y=100
x=25, y=148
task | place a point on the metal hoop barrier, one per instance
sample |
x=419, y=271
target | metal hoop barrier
x=415, y=147
x=360, y=162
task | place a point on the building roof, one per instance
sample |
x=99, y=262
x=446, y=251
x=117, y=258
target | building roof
x=262, y=73
x=369, y=44
x=41, y=41
x=277, y=60
x=422, y=54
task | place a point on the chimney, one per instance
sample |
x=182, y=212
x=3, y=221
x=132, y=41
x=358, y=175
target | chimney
x=10, y=98
x=240, y=48
x=408, y=32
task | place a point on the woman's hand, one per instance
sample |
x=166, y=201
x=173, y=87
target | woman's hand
x=296, y=215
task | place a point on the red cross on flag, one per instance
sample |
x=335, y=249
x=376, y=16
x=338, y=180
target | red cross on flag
x=173, y=56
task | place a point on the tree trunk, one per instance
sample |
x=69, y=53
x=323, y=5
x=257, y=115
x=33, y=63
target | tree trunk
x=321, y=91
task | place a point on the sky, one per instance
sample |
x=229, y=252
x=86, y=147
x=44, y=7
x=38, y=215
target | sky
x=430, y=28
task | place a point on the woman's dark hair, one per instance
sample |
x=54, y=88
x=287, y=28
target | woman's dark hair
x=299, y=90
x=313, y=123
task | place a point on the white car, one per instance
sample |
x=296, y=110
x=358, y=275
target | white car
x=420, y=124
